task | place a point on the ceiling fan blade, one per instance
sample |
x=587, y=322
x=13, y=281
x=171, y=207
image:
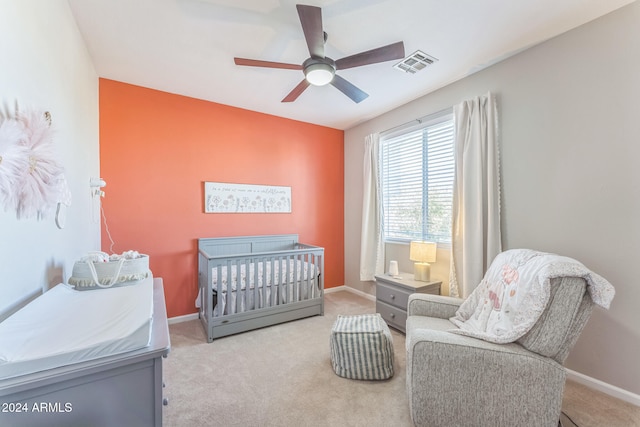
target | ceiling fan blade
x=311, y=20
x=267, y=64
x=373, y=56
x=348, y=89
x=295, y=93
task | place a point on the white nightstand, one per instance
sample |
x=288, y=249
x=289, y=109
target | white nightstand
x=392, y=295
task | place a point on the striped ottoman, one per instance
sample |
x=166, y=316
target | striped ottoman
x=362, y=347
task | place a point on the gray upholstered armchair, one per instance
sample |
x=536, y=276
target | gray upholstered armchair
x=456, y=380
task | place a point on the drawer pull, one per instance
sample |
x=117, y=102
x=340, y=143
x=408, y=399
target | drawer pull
x=392, y=296
x=393, y=315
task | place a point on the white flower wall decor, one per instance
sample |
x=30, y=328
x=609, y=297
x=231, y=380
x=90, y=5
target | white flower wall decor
x=14, y=161
x=32, y=181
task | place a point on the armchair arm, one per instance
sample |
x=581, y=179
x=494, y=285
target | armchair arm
x=439, y=306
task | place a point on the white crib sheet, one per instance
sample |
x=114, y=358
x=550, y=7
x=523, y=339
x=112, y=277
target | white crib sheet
x=64, y=326
x=296, y=268
x=296, y=274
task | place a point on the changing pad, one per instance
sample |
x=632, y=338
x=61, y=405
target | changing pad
x=64, y=326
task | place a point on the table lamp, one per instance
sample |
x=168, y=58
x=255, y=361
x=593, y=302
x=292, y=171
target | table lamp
x=422, y=253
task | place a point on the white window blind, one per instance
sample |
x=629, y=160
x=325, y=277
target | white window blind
x=417, y=169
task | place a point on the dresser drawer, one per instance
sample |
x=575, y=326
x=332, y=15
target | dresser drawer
x=392, y=295
x=394, y=316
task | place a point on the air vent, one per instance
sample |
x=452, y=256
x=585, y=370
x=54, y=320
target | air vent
x=415, y=62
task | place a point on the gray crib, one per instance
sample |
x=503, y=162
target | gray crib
x=251, y=282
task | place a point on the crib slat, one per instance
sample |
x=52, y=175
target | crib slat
x=301, y=291
x=285, y=280
x=294, y=278
x=268, y=275
x=304, y=279
x=231, y=294
x=319, y=271
x=290, y=289
x=307, y=280
x=281, y=290
x=275, y=286
x=220, y=296
x=310, y=276
x=206, y=301
x=291, y=276
x=314, y=281
x=262, y=291
x=256, y=272
x=244, y=301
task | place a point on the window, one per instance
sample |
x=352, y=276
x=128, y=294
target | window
x=417, y=169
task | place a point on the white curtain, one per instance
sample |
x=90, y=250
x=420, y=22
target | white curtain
x=476, y=239
x=371, y=244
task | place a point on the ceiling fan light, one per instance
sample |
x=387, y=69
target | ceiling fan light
x=319, y=74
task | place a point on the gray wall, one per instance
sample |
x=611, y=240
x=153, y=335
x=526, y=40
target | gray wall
x=569, y=113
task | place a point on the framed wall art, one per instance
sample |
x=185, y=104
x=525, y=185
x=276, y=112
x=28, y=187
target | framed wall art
x=223, y=197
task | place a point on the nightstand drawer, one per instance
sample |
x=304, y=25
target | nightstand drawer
x=394, y=316
x=392, y=295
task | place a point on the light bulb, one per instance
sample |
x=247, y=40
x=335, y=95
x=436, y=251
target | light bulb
x=319, y=74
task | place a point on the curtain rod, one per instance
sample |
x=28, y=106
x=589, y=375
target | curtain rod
x=419, y=120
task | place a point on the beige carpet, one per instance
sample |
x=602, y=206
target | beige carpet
x=281, y=376
x=278, y=376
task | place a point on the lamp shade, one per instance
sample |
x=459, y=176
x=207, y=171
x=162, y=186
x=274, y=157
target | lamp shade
x=319, y=74
x=422, y=251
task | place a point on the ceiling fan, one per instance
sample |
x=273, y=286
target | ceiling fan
x=319, y=69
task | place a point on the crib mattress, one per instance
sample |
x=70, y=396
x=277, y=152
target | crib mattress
x=64, y=326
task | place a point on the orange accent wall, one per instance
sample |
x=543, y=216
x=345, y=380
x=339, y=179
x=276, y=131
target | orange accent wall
x=156, y=151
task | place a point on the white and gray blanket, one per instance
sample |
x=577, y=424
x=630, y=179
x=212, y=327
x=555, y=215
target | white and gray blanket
x=515, y=291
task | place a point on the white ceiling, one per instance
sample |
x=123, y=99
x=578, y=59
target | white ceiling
x=187, y=46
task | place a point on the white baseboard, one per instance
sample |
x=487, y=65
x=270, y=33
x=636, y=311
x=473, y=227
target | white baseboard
x=353, y=291
x=334, y=289
x=603, y=387
x=185, y=318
